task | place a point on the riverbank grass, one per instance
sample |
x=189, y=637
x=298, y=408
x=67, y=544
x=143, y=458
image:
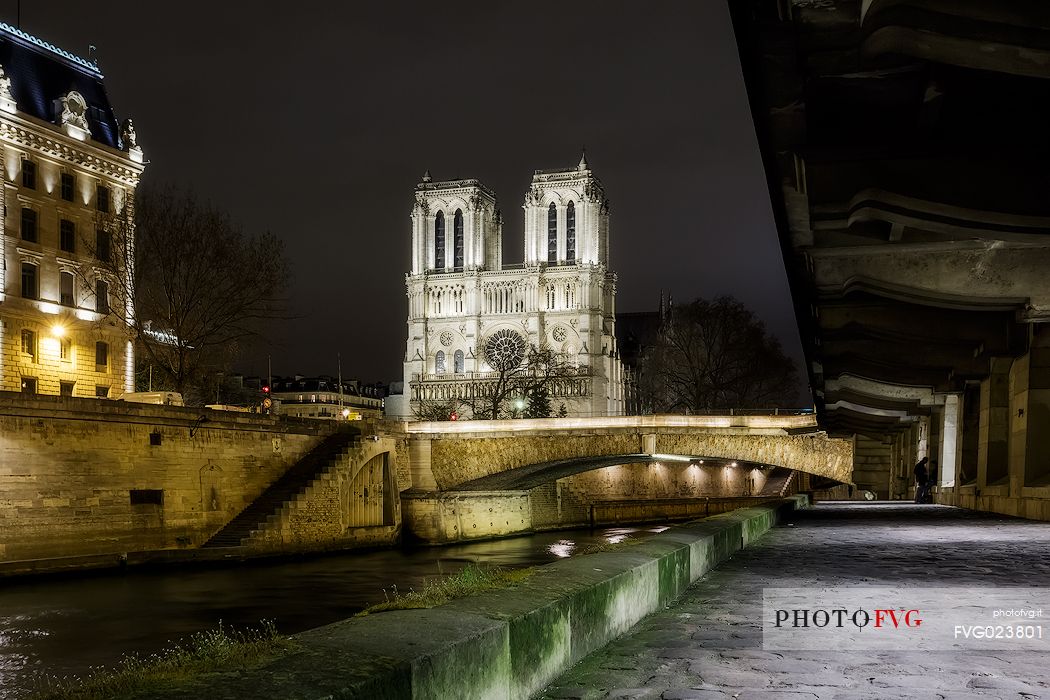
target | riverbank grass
x=221, y=649
x=468, y=581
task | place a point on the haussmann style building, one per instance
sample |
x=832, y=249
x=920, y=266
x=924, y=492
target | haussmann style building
x=69, y=168
x=471, y=316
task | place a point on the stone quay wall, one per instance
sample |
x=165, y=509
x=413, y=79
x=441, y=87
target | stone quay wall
x=84, y=477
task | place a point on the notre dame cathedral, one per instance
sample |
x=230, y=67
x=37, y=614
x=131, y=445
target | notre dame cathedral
x=471, y=316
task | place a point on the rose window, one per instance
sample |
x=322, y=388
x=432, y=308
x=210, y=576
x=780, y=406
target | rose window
x=446, y=338
x=559, y=334
x=505, y=349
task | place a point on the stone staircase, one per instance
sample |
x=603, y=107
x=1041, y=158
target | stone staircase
x=293, y=483
x=777, y=483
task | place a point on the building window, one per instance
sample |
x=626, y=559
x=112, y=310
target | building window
x=67, y=235
x=29, y=343
x=101, y=296
x=65, y=388
x=29, y=225
x=68, y=185
x=439, y=362
x=101, y=354
x=65, y=349
x=30, y=290
x=28, y=385
x=552, y=233
x=457, y=239
x=65, y=289
x=570, y=232
x=102, y=198
x=103, y=238
x=146, y=497
x=29, y=174
x=101, y=392
x=458, y=362
x=439, y=241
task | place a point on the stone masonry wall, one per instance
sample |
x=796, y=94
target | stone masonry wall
x=84, y=476
x=353, y=503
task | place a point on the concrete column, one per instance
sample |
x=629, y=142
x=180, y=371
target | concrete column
x=951, y=437
x=993, y=443
x=1034, y=413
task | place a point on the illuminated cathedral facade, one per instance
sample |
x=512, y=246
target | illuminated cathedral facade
x=472, y=318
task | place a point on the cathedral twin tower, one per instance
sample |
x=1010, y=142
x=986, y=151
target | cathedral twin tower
x=472, y=319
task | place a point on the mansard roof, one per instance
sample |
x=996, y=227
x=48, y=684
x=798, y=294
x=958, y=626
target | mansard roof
x=42, y=73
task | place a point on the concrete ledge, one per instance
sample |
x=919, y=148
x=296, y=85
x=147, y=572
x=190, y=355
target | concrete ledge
x=504, y=644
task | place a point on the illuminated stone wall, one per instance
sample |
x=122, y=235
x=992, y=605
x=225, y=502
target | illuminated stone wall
x=69, y=469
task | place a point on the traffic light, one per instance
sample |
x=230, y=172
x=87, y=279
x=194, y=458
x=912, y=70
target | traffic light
x=453, y=416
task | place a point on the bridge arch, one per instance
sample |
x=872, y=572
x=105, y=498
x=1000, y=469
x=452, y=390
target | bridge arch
x=468, y=451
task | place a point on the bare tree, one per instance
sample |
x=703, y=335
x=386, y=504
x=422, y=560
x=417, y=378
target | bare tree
x=714, y=355
x=520, y=388
x=523, y=390
x=199, y=286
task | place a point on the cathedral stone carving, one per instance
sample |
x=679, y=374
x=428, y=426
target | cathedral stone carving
x=505, y=349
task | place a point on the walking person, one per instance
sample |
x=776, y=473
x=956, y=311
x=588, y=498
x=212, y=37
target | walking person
x=922, y=480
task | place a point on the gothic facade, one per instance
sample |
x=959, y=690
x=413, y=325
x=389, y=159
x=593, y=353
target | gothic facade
x=68, y=169
x=472, y=318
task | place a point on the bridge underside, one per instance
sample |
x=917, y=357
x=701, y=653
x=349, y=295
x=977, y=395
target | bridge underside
x=534, y=475
x=904, y=143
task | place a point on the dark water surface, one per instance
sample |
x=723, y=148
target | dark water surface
x=65, y=626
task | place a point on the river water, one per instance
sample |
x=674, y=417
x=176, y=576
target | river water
x=65, y=626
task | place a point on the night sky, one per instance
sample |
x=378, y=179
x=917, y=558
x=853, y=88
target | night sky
x=316, y=120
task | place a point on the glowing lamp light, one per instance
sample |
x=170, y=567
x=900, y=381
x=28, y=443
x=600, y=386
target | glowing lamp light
x=732, y=464
x=58, y=330
x=346, y=413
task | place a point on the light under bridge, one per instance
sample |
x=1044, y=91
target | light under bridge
x=473, y=479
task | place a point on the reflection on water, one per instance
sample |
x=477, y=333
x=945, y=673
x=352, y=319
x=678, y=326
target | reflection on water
x=562, y=548
x=66, y=626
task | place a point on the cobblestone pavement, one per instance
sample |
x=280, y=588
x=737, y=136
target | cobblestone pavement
x=708, y=644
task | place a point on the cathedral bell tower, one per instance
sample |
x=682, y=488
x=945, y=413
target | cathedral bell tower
x=455, y=227
x=566, y=218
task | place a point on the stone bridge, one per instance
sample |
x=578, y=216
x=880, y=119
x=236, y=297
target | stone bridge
x=473, y=455
x=475, y=479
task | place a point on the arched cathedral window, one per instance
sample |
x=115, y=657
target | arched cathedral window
x=439, y=241
x=439, y=362
x=457, y=362
x=570, y=232
x=552, y=233
x=457, y=239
